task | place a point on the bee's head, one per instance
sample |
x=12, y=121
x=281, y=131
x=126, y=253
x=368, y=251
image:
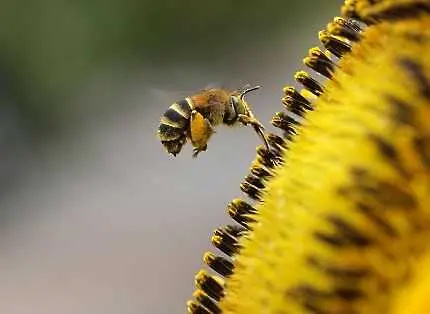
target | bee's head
x=238, y=100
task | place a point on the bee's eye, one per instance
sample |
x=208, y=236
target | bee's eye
x=238, y=105
x=234, y=101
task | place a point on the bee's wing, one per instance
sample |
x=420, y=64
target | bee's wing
x=213, y=85
x=165, y=96
x=168, y=96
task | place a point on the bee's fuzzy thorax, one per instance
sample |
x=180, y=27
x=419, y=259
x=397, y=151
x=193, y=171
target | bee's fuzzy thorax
x=340, y=216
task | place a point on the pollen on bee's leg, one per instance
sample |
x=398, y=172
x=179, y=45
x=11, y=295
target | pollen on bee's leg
x=200, y=132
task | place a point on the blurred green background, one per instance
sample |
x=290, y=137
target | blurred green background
x=95, y=217
x=50, y=49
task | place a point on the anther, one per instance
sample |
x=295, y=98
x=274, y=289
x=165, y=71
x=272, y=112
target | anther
x=320, y=62
x=225, y=242
x=255, y=181
x=277, y=142
x=241, y=212
x=204, y=300
x=259, y=170
x=285, y=123
x=335, y=44
x=347, y=28
x=308, y=82
x=194, y=307
x=219, y=264
x=213, y=286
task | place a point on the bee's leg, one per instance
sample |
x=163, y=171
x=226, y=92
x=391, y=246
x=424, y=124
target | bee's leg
x=258, y=127
x=197, y=151
x=245, y=120
x=200, y=131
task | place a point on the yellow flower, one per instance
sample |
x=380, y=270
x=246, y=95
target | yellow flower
x=342, y=223
x=413, y=297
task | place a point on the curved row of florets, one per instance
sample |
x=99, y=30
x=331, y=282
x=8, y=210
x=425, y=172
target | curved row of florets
x=337, y=39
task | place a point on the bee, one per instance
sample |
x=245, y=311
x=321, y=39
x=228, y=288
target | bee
x=195, y=118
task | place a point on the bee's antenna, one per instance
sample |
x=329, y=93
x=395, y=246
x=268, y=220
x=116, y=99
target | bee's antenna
x=247, y=89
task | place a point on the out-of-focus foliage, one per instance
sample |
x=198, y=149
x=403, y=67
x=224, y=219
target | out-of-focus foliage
x=49, y=48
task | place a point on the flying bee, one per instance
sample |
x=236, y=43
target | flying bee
x=195, y=118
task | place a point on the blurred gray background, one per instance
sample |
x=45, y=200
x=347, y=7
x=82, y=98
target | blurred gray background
x=95, y=216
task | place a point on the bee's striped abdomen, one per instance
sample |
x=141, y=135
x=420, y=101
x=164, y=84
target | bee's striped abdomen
x=168, y=132
x=173, y=126
x=175, y=146
x=183, y=107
